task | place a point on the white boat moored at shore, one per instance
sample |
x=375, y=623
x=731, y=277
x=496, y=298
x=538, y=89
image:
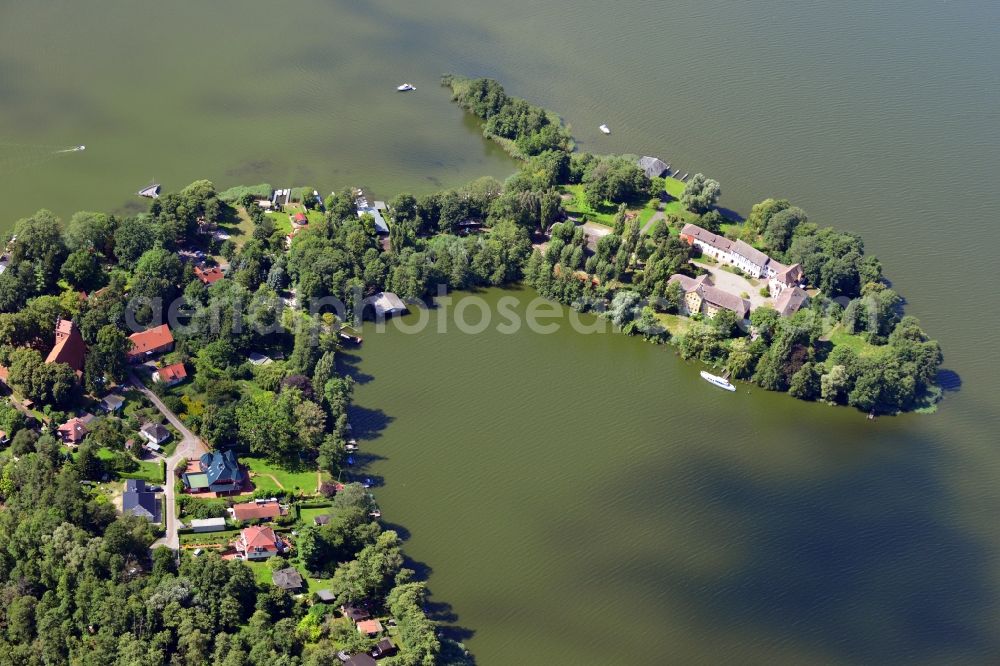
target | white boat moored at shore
x=406, y=87
x=605, y=129
x=721, y=382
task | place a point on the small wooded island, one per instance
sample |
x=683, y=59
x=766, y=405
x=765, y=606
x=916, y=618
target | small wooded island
x=176, y=348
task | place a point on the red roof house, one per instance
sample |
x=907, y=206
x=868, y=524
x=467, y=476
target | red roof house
x=70, y=347
x=258, y=543
x=73, y=431
x=151, y=341
x=300, y=219
x=257, y=510
x=171, y=374
x=208, y=275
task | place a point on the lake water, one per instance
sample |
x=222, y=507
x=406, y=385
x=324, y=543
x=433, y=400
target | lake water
x=586, y=498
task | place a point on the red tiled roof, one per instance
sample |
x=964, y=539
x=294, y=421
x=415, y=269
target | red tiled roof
x=73, y=431
x=259, y=537
x=150, y=340
x=4, y=374
x=208, y=275
x=172, y=373
x=300, y=218
x=70, y=347
x=253, y=510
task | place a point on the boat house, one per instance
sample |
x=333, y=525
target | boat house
x=387, y=304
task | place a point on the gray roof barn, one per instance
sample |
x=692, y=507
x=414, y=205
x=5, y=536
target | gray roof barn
x=287, y=579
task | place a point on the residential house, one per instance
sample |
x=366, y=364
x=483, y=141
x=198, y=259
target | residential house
x=208, y=275
x=69, y=348
x=258, y=543
x=112, y=403
x=360, y=659
x=72, y=432
x=139, y=500
x=654, y=167
x=154, y=433
x=703, y=297
x=747, y=258
x=220, y=473
x=170, y=374
x=370, y=627
x=287, y=579
x=790, y=301
x=384, y=648
x=261, y=509
x=208, y=524
x=782, y=277
x=387, y=304
x=152, y=341
x=355, y=612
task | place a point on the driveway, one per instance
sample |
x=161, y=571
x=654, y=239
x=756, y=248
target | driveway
x=736, y=284
x=189, y=447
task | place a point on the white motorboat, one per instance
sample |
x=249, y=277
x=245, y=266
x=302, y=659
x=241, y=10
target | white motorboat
x=721, y=382
x=406, y=87
x=605, y=129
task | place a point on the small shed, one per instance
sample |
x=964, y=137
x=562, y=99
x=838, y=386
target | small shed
x=325, y=597
x=208, y=524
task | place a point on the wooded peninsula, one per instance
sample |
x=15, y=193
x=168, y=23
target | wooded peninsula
x=274, y=551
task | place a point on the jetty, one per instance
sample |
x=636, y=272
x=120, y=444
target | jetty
x=353, y=339
x=150, y=191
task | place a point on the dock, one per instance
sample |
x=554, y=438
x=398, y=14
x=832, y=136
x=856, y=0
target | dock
x=353, y=339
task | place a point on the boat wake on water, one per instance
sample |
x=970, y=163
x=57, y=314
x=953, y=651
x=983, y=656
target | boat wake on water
x=16, y=157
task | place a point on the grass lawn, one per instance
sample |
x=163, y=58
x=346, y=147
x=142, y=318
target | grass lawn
x=262, y=572
x=578, y=206
x=841, y=338
x=676, y=324
x=220, y=538
x=306, y=515
x=294, y=480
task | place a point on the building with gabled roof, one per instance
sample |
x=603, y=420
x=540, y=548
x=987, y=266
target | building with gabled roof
x=73, y=432
x=156, y=340
x=702, y=296
x=288, y=579
x=261, y=509
x=219, y=472
x=387, y=304
x=69, y=347
x=653, y=167
x=258, y=543
x=170, y=374
x=790, y=301
x=139, y=500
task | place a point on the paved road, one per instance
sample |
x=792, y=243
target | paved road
x=189, y=447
